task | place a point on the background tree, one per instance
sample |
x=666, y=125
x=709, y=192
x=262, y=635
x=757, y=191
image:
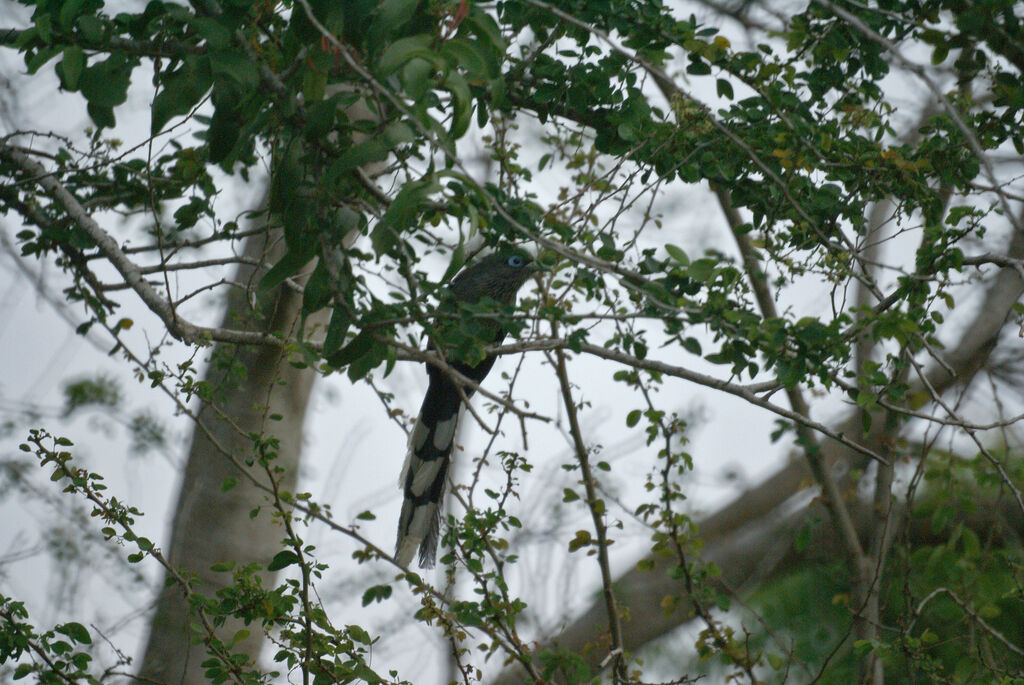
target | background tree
x=865, y=162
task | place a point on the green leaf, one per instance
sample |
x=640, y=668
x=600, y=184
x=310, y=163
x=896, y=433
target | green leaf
x=377, y=593
x=581, y=540
x=283, y=559
x=724, y=89
x=462, y=104
x=698, y=67
x=223, y=133
x=234, y=66
x=101, y=116
x=419, y=76
x=677, y=254
x=702, y=270
x=91, y=28
x=181, y=91
x=318, y=291
x=320, y=117
x=468, y=55
x=359, y=346
x=105, y=84
x=360, y=635
x=371, y=150
x=402, y=213
x=69, y=10
x=71, y=67
x=358, y=368
x=862, y=648
x=44, y=55
x=633, y=418
x=404, y=49
x=486, y=29
x=217, y=35
x=457, y=261
x=393, y=15
x=336, y=330
x=692, y=345
x=76, y=631
x=287, y=266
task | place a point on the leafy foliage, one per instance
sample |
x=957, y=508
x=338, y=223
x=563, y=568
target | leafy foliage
x=364, y=112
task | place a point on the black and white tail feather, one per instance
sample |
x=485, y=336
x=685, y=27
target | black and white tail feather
x=424, y=478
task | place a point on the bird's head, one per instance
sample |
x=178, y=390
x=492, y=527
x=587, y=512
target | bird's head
x=498, y=275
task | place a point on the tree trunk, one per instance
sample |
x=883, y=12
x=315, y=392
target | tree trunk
x=211, y=525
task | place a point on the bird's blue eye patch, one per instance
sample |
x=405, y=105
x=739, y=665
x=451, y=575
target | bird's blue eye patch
x=515, y=260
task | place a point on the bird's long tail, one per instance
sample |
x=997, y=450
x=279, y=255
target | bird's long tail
x=425, y=475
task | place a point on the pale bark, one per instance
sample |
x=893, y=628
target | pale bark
x=211, y=525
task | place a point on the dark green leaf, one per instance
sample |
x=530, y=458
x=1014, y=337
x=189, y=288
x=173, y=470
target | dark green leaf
x=105, y=84
x=101, y=116
x=377, y=593
x=283, y=559
x=234, y=66
x=286, y=267
x=677, y=254
x=336, y=330
x=402, y=213
x=71, y=67
x=404, y=49
x=462, y=104
x=76, y=631
x=318, y=291
x=181, y=91
x=469, y=56
x=392, y=15
x=223, y=133
x=359, y=346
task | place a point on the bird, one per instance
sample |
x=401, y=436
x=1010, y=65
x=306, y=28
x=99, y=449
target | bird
x=497, y=276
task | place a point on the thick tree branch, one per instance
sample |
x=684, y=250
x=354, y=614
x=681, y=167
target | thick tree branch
x=131, y=273
x=10, y=37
